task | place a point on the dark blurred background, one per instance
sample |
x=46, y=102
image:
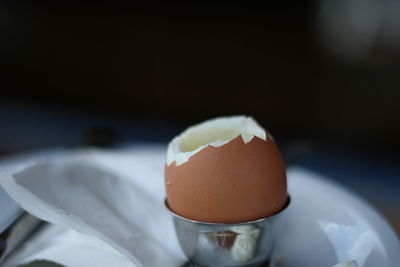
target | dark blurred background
x=322, y=76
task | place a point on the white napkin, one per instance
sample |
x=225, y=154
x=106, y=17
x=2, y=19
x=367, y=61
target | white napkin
x=57, y=244
x=117, y=197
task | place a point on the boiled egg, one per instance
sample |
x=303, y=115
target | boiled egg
x=225, y=170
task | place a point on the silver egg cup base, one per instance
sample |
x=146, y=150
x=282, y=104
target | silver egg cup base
x=246, y=244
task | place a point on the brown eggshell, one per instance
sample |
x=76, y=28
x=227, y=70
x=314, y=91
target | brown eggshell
x=232, y=183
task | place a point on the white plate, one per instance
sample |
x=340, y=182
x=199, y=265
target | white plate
x=327, y=224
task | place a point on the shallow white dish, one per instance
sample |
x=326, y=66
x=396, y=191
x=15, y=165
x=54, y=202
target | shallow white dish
x=327, y=224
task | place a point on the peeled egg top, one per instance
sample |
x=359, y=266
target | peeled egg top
x=225, y=170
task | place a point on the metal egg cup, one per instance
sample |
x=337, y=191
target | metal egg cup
x=237, y=244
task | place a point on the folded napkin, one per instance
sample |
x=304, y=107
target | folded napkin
x=114, y=197
x=59, y=245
